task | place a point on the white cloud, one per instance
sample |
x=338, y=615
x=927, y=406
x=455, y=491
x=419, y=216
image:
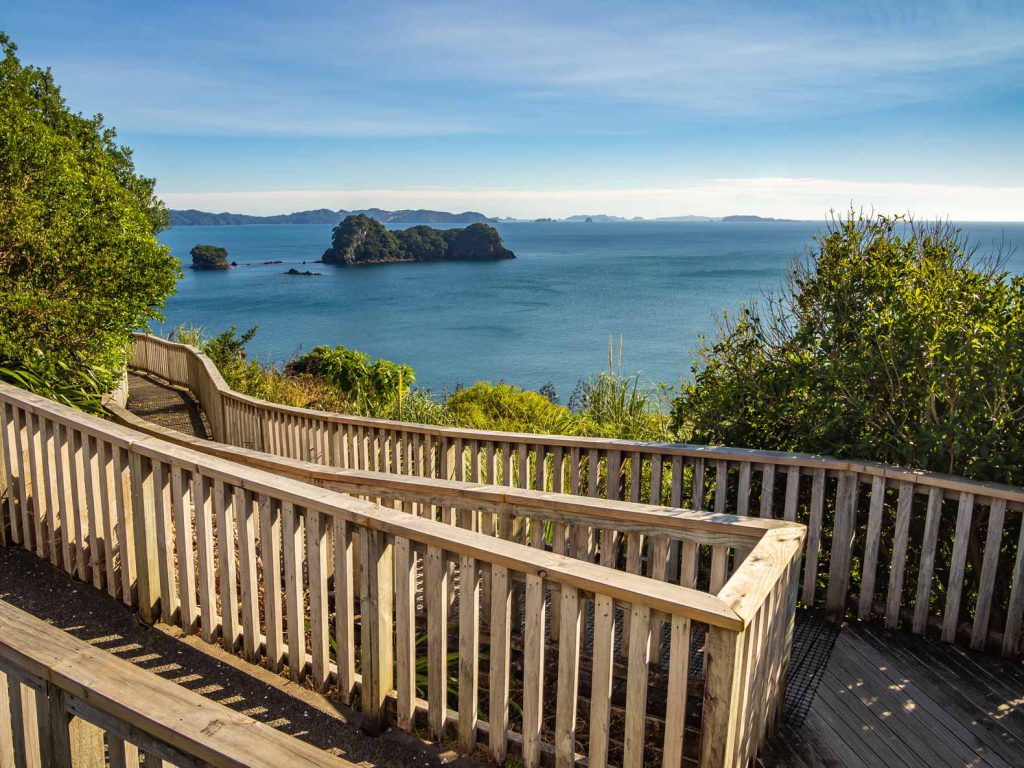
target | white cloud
x=797, y=198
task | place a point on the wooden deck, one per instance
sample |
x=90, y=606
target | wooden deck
x=893, y=699
x=872, y=697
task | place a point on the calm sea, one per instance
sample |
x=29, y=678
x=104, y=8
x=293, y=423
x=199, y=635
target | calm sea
x=542, y=317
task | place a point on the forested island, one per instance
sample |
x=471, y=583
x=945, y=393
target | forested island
x=209, y=257
x=360, y=239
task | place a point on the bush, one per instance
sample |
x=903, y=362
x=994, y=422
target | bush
x=373, y=386
x=506, y=408
x=226, y=348
x=80, y=265
x=893, y=341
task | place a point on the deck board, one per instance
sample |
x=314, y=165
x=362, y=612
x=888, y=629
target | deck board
x=893, y=699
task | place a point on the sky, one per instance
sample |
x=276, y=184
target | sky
x=528, y=109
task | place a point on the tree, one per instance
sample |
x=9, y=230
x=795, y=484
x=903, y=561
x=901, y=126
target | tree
x=893, y=340
x=80, y=265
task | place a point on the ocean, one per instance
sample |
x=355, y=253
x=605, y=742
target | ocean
x=544, y=317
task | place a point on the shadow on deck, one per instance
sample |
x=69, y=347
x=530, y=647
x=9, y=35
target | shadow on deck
x=895, y=699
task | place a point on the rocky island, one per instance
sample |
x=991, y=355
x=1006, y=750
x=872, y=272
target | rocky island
x=360, y=239
x=209, y=257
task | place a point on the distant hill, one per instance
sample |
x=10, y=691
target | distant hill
x=685, y=218
x=193, y=217
x=750, y=219
x=595, y=217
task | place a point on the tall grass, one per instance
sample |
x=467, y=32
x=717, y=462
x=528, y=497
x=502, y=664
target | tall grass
x=614, y=405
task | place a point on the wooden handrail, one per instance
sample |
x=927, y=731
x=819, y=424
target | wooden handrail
x=76, y=679
x=670, y=598
x=648, y=519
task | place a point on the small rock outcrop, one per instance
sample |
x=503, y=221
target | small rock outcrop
x=210, y=257
x=360, y=239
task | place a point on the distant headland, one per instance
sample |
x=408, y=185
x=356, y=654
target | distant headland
x=192, y=217
x=360, y=239
x=750, y=219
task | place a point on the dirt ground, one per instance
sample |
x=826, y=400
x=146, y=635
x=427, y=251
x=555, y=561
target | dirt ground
x=93, y=616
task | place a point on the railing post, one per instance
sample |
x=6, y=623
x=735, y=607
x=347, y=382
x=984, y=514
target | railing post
x=143, y=511
x=58, y=736
x=377, y=593
x=721, y=721
x=844, y=528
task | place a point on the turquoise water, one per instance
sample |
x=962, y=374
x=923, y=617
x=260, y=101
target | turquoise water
x=542, y=317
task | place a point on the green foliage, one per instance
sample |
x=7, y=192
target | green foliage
x=506, y=408
x=228, y=352
x=477, y=241
x=209, y=257
x=228, y=347
x=80, y=265
x=185, y=333
x=360, y=238
x=892, y=341
x=79, y=388
x=373, y=386
x=423, y=243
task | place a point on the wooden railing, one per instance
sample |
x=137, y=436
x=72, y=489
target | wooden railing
x=922, y=549
x=326, y=584
x=64, y=703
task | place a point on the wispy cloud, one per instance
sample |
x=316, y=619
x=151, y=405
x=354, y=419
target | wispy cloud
x=801, y=198
x=443, y=68
x=736, y=59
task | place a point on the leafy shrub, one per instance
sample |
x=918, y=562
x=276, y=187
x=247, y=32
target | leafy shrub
x=506, y=408
x=80, y=265
x=893, y=340
x=374, y=386
x=228, y=348
x=79, y=388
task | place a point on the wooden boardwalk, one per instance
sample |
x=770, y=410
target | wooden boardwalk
x=856, y=696
x=160, y=403
x=892, y=699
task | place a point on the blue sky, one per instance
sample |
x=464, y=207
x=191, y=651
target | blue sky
x=553, y=108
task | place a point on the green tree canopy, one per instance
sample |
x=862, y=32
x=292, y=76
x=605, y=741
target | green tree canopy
x=893, y=341
x=80, y=265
